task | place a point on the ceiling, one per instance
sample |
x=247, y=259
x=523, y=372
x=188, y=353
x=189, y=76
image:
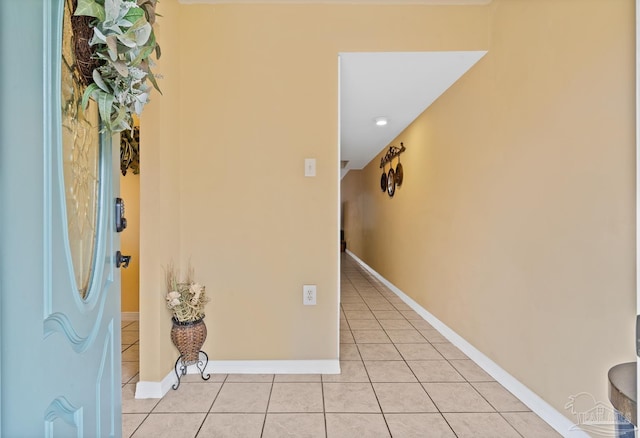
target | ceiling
x=392, y=2
x=396, y=85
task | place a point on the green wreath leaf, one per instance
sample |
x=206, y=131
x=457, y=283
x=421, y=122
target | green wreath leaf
x=90, y=8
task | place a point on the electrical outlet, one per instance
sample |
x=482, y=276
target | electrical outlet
x=309, y=294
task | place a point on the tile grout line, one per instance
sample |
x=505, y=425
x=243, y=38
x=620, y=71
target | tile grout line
x=266, y=411
x=206, y=415
x=324, y=407
x=139, y=425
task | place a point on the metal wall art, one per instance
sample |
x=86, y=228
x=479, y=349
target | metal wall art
x=392, y=178
x=130, y=150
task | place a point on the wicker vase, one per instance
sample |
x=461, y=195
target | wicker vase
x=188, y=337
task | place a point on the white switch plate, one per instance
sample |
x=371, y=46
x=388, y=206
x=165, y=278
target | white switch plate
x=309, y=167
x=309, y=294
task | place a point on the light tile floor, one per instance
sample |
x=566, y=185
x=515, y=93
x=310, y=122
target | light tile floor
x=400, y=377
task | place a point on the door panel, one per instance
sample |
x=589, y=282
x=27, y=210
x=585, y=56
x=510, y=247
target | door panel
x=59, y=331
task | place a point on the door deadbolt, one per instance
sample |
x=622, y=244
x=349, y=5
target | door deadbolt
x=122, y=261
x=121, y=221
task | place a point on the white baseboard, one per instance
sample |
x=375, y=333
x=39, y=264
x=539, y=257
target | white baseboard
x=130, y=316
x=330, y=366
x=156, y=389
x=159, y=389
x=544, y=410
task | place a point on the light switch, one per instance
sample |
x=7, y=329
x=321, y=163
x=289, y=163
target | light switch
x=309, y=167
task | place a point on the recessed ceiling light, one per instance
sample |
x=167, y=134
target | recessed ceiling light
x=381, y=121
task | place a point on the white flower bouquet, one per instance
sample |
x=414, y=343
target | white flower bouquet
x=186, y=298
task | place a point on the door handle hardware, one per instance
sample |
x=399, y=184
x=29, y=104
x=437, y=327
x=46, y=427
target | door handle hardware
x=121, y=221
x=122, y=261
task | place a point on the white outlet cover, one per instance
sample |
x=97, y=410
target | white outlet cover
x=309, y=294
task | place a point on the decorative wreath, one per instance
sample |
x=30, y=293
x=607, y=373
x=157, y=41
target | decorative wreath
x=114, y=41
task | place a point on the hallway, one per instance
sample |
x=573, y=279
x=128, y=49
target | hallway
x=399, y=378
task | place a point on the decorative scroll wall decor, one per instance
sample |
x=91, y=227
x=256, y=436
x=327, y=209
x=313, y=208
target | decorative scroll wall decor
x=392, y=178
x=130, y=151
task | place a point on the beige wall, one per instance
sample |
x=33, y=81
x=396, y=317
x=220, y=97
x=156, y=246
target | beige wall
x=130, y=241
x=515, y=222
x=256, y=92
x=160, y=200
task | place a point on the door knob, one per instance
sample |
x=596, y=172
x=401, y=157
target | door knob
x=122, y=260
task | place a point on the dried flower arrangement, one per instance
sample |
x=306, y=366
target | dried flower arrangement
x=185, y=298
